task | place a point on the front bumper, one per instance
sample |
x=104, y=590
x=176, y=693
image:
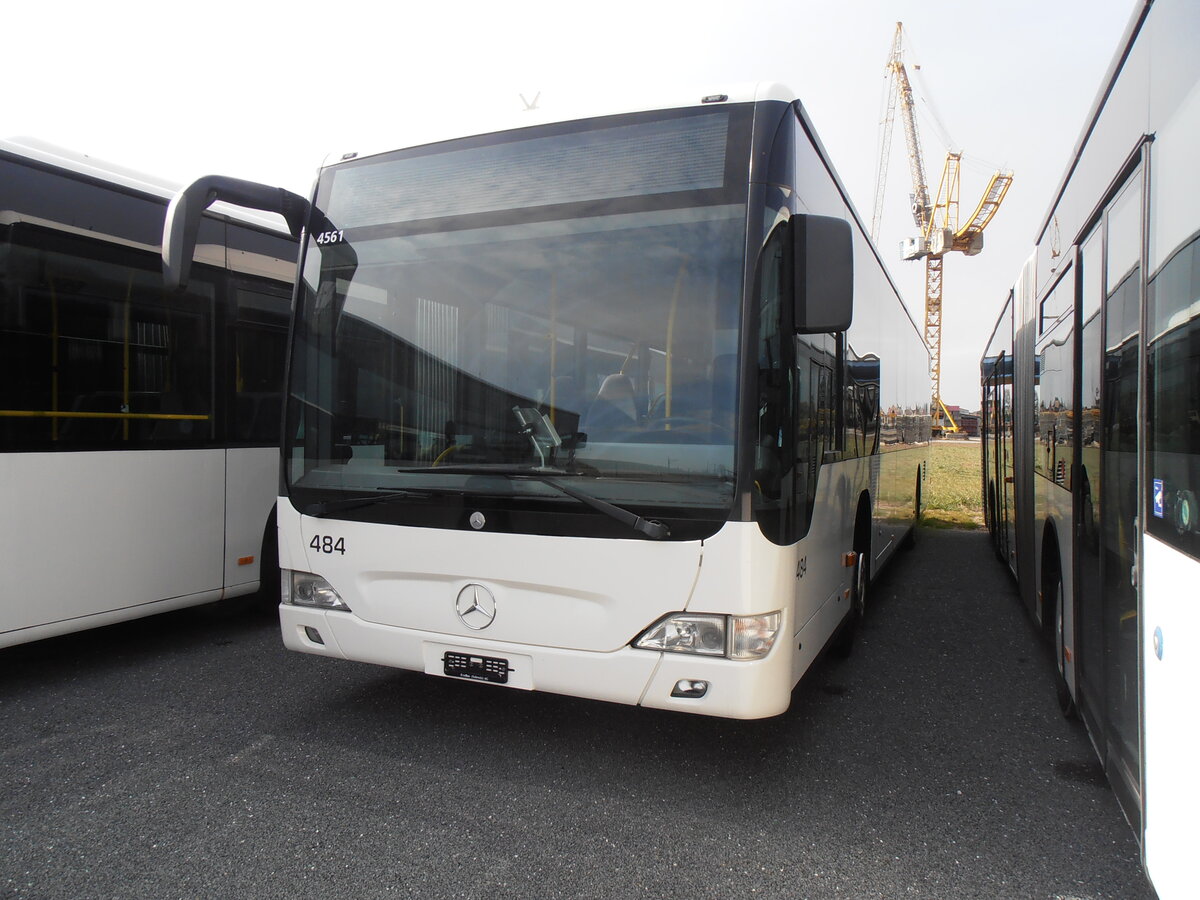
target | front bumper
x=738, y=689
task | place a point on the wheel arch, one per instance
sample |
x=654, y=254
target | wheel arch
x=863, y=526
x=1050, y=564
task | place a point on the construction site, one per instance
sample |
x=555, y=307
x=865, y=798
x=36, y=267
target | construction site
x=939, y=229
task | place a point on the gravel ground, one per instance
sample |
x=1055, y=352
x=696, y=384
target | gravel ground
x=189, y=755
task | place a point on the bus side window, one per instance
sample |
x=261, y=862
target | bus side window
x=1173, y=375
x=260, y=345
x=97, y=352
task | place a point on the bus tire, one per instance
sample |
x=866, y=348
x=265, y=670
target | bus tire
x=1053, y=593
x=993, y=521
x=843, y=642
x=910, y=539
x=268, y=567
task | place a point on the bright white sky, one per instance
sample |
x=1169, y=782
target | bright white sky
x=263, y=90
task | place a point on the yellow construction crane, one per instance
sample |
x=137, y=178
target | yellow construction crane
x=937, y=221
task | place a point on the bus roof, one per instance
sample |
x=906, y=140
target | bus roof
x=74, y=162
x=422, y=134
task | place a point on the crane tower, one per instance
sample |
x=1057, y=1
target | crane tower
x=937, y=221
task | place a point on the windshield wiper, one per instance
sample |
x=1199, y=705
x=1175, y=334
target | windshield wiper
x=326, y=507
x=649, y=527
x=652, y=529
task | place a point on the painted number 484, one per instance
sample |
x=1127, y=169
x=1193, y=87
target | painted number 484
x=325, y=543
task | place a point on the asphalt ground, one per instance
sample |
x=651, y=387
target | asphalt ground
x=190, y=755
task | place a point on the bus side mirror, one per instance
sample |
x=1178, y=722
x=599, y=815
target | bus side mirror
x=823, y=273
x=183, y=217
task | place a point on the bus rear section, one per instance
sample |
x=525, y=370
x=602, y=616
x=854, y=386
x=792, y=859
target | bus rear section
x=138, y=428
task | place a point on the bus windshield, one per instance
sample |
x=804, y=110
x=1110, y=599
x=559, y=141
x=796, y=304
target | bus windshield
x=563, y=300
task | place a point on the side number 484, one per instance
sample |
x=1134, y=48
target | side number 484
x=326, y=544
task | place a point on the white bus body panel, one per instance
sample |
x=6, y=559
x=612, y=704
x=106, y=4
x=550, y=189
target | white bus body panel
x=1171, y=624
x=565, y=620
x=111, y=549
x=571, y=593
x=251, y=483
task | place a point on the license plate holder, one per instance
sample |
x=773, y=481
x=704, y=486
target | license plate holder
x=491, y=669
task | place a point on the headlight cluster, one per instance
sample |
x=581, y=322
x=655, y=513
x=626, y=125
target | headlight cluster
x=306, y=589
x=731, y=637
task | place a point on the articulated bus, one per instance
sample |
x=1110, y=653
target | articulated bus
x=1091, y=399
x=578, y=406
x=139, y=430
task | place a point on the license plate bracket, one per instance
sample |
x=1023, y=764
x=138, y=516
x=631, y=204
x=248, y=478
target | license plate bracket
x=491, y=669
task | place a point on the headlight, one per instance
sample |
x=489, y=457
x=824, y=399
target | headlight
x=684, y=633
x=306, y=589
x=734, y=637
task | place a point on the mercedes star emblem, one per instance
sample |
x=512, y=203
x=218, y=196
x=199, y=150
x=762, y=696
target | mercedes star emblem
x=476, y=607
x=477, y=520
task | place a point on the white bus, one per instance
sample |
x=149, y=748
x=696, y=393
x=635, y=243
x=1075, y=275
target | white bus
x=138, y=430
x=574, y=406
x=1091, y=391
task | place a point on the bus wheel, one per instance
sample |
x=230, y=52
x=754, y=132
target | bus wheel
x=268, y=569
x=910, y=539
x=843, y=643
x=1066, y=703
x=993, y=520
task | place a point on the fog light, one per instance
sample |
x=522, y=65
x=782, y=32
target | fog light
x=687, y=687
x=313, y=635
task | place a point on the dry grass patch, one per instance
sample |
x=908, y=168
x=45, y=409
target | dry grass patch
x=951, y=498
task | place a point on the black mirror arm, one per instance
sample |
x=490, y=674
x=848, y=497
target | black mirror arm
x=182, y=226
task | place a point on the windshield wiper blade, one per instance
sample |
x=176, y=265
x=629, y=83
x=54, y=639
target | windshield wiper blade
x=652, y=529
x=500, y=470
x=326, y=507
